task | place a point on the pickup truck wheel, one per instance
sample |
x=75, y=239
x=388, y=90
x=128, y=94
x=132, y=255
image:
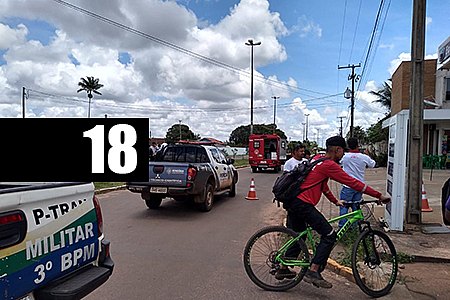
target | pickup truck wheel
x=254, y=169
x=208, y=197
x=232, y=191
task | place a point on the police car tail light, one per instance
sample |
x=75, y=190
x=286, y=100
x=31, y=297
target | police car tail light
x=13, y=228
x=191, y=173
x=98, y=212
x=11, y=218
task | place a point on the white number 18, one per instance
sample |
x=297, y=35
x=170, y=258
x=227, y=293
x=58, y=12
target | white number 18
x=97, y=137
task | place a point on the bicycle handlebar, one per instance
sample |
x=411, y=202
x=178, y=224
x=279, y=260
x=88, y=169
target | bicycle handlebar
x=378, y=202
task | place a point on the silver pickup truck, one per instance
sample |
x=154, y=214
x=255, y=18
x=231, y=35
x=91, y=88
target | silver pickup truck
x=52, y=244
x=187, y=172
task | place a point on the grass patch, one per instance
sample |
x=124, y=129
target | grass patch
x=103, y=185
x=240, y=162
x=404, y=258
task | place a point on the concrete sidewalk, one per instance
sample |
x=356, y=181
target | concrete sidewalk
x=427, y=276
x=413, y=241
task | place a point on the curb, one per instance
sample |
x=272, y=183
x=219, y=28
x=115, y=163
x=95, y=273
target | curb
x=339, y=269
x=110, y=189
x=429, y=259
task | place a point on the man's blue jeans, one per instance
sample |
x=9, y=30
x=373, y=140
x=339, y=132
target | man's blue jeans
x=349, y=195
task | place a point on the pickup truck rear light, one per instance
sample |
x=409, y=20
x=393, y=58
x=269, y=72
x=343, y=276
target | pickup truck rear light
x=12, y=218
x=13, y=228
x=98, y=212
x=191, y=173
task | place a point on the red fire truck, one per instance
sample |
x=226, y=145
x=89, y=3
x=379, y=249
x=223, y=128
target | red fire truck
x=266, y=151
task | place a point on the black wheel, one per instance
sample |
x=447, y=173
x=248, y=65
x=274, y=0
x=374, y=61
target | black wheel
x=374, y=263
x=259, y=258
x=232, y=192
x=207, y=199
x=254, y=169
x=152, y=201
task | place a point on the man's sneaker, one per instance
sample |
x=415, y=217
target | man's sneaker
x=317, y=280
x=285, y=274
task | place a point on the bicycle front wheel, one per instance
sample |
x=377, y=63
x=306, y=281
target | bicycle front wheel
x=260, y=260
x=374, y=263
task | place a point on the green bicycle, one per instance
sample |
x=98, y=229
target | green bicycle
x=374, y=258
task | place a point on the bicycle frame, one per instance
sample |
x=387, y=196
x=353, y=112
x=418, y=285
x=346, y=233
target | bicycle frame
x=307, y=235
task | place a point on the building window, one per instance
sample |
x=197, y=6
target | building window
x=447, y=88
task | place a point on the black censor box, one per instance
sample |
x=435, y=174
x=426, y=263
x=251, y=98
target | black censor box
x=74, y=149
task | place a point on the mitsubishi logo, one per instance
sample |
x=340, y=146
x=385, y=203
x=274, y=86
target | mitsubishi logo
x=157, y=176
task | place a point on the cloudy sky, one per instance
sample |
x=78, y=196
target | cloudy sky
x=187, y=60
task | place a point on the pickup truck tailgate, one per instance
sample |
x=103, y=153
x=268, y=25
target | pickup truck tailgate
x=168, y=174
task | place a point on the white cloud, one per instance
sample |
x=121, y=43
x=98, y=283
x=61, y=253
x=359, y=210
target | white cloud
x=306, y=27
x=160, y=83
x=386, y=46
x=12, y=37
x=405, y=57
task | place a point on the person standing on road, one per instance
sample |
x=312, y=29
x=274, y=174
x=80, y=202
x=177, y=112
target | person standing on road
x=354, y=164
x=298, y=154
x=302, y=209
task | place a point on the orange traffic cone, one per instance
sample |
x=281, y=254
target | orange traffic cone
x=252, y=192
x=425, y=206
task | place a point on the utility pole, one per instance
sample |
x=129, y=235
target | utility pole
x=340, y=129
x=24, y=96
x=303, y=131
x=415, y=141
x=306, y=131
x=251, y=44
x=274, y=110
x=180, y=128
x=353, y=77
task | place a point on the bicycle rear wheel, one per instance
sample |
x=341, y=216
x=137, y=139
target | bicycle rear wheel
x=374, y=263
x=259, y=258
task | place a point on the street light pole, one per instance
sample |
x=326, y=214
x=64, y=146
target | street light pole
x=274, y=110
x=306, y=115
x=180, y=128
x=251, y=44
x=303, y=131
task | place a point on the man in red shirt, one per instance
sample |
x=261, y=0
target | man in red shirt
x=303, y=211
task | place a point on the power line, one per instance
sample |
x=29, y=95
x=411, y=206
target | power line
x=356, y=29
x=41, y=94
x=193, y=54
x=371, y=40
x=378, y=38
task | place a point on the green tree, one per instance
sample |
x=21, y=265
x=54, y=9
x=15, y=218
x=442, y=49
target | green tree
x=376, y=133
x=90, y=85
x=384, y=94
x=180, y=132
x=240, y=136
x=359, y=133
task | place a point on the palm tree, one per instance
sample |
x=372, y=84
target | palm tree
x=384, y=94
x=90, y=85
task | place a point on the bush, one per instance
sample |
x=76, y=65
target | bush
x=381, y=159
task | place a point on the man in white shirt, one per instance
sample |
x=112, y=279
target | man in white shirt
x=298, y=154
x=354, y=164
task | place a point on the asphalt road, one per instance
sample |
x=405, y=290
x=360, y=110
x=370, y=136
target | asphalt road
x=177, y=252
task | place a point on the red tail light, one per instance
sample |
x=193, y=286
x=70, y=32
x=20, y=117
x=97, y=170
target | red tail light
x=15, y=217
x=191, y=173
x=98, y=212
